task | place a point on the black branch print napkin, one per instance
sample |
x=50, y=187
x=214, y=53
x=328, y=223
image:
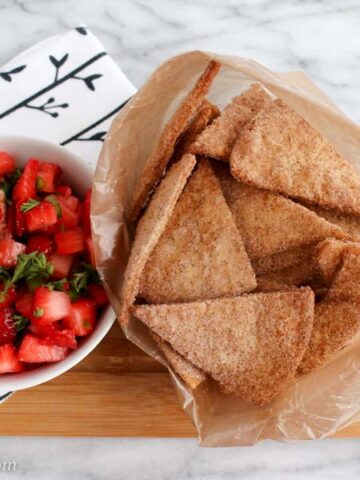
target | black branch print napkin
x=66, y=90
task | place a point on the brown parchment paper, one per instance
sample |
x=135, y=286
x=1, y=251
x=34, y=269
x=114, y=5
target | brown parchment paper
x=313, y=406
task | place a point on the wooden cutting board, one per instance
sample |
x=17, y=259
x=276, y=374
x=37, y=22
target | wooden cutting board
x=116, y=391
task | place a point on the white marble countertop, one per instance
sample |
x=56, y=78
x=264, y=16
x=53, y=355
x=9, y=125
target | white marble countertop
x=319, y=37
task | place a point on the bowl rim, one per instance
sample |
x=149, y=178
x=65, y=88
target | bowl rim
x=19, y=381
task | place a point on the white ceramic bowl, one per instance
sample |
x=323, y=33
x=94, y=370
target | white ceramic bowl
x=78, y=175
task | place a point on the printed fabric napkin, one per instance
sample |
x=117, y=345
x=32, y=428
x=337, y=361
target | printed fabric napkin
x=66, y=90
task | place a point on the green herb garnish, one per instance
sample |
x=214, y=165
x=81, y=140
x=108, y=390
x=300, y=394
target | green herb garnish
x=9, y=181
x=20, y=322
x=39, y=183
x=38, y=312
x=55, y=202
x=32, y=267
x=86, y=324
x=57, y=285
x=29, y=205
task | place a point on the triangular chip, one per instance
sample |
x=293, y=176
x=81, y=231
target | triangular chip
x=218, y=139
x=281, y=152
x=156, y=163
x=279, y=261
x=335, y=326
x=200, y=254
x=269, y=223
x=293, y=276
x=348, y=223
x=266, y=283
x=346, y=284
x=328, y=256
x=191, y=375
x=251, y=344
x=150, y=228
x=203, y=117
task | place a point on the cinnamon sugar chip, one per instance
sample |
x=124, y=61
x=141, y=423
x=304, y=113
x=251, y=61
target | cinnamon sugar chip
x=328, y=257
x=269, y=223
x=251, y=344
x=348, y=223
x=281, y=152
x=158, y=160
x=335, y=326
x=150, y=228
x=283, y=260
x=191, y=375
x=346, y=284
x=218, y=139
x=200, y=254
x=293, y=276
x=206, y=114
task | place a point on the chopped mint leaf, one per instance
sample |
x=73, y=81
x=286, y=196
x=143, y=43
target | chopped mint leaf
x=39, y=183
x=79, y=281
x=57, y=284
x=9, y=181
x=34, y=283
x=29, y=205
x=20, y=322
x=32, y=267
x=86, y=324
x=39, y=312
x=73, y=295
x=55, y=202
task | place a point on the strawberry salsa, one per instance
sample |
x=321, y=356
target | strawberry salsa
x=50, y=293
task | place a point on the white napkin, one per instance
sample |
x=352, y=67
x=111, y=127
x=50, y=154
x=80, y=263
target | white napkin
x=66, y=90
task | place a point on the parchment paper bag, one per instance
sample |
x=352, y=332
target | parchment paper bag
x=313, y=406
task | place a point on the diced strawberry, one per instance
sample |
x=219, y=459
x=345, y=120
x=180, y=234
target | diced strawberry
x=70, y=242
x=55, y=335
x=23, y=304
x=90, y=250
x=7, y=163
x=70, y=212
x=49, y=306
x=3, y=228
x=42, y=216
x=9, y=362
x=64, y=338
x=25, y=187
x=11, y=219
x=9, y=250
x=48, y=230
x=86, y=213
x=64, y=190
x=7, y=299
x=73, y=202
x=19, y=220
x=7, y=327
x=82, y=317
x=62, y=265
x=40, y=243
x=44, y=331
x=98, y=294
x=37, y=350
x=47, y=176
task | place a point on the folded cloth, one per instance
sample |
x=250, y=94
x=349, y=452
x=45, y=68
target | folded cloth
x=66, y=90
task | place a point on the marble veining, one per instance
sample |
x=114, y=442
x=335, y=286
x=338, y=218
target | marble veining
x=320, y=37
x=174, y=459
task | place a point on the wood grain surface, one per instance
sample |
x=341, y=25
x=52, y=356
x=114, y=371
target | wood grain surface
x=117, y=391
